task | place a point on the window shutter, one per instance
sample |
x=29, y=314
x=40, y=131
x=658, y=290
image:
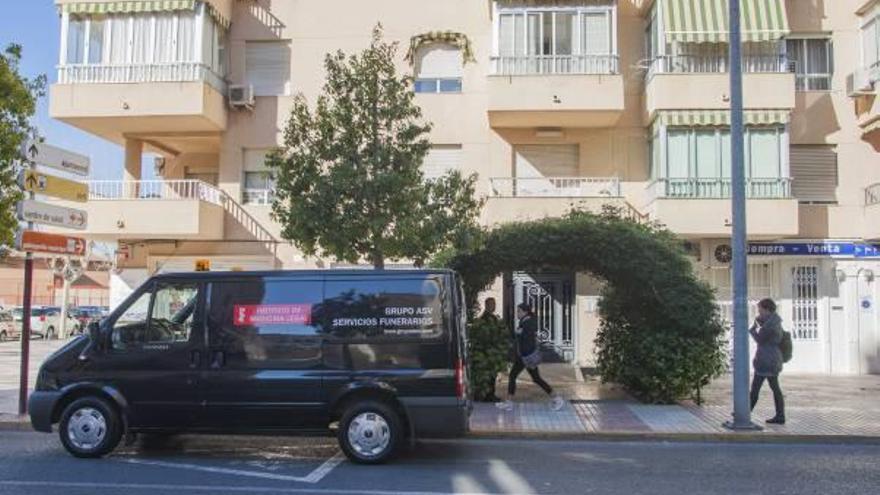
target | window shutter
x=267, y=67
x=439, y=61
x=255, y=159
x=814, y=173
x=547, y=160
x=441, y=159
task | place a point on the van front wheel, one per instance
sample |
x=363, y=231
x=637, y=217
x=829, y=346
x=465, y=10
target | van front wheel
x=90, y=427
x=370, y=432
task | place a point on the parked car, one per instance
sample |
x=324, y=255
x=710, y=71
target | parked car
x=46, y=321
x=85, y=315
x=8, y=328
x=380, y=355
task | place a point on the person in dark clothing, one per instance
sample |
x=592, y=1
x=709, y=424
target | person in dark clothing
x=767, y=333
x=526, y=345
x=489, y=315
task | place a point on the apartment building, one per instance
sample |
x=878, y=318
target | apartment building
x=553, y=103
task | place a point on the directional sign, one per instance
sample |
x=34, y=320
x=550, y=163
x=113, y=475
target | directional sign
x=57, y=216
x=50, y=156
x=41, y=242
x=56, y=187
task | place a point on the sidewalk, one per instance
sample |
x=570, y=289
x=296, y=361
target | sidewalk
x=818, y=408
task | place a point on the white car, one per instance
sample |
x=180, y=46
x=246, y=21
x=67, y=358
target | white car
x=46, y=322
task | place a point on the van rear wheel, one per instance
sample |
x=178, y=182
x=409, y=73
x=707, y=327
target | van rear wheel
x=370, y=432
x=90, y=427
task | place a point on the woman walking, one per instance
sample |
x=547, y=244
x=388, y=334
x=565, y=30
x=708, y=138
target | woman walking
x=767, y=332
x=527, y=356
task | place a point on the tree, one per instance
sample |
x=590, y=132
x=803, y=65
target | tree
x=348, y=177
x=18, y=100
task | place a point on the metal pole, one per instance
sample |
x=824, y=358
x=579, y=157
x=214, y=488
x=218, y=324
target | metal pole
x=742, y=416
x=65, y=295
x=26, y=323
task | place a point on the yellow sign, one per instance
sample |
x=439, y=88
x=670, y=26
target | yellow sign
x=40, y=183
x=203, y=265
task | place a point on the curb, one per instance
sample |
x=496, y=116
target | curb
x=13, y=422
x=765, y=438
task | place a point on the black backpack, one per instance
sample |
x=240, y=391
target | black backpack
x=786, y=346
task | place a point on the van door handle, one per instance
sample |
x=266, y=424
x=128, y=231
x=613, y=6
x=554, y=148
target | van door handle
x=218, y=359
x=195, y=359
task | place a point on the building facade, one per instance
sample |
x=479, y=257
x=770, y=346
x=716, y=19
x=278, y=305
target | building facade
x=553, y=103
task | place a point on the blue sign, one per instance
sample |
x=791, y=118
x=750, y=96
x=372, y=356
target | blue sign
x=849, y=249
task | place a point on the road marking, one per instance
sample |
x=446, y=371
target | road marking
x=314, y=477
x=220, y=488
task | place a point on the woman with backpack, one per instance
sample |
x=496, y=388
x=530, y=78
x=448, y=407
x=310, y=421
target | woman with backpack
x=527, y=356
x=768, y=334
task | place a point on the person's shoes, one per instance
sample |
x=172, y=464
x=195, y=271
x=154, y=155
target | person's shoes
x=493, y=398
x=556, y=403
x=776, y=420
x=505, y=405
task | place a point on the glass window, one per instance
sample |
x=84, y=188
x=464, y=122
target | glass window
x=382, y=308
x=259, y=187
x=169, y=321
x=119, y=33
x=871, y=43
x=677, y=154
x=438, y=69
x=267, y=67
x=76, y=40
x=258, y=323
x=96, y=40
x=810, y=59
x=706, y=154
x=763, y=156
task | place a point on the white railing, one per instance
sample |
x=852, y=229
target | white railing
x=105, y=190
x=257, y=196
x=872, y=195
x=720, y=188
x=556, y=187
x=555, y=64
x=716, y=63
x=139, y=73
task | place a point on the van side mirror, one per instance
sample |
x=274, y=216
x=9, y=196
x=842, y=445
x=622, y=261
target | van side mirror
x=95, y=336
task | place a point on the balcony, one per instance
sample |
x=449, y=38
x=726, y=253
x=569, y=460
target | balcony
x=555, y=91
x=701, y=207
x=154, y=209
x=684, y=82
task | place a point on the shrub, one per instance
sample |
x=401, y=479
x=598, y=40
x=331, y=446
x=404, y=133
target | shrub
x=489, y=351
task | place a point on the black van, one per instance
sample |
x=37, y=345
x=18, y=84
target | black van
x=380, y=355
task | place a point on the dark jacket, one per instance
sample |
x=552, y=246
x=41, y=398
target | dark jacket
x=527, y=335
x=768, y=358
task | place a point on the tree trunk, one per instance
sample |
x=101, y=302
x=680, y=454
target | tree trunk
x=378, y=260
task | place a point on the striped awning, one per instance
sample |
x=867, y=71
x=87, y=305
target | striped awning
x=707, y=21
x=458, y=40
x=720, y=118
x=141, y=6
x=871, y=127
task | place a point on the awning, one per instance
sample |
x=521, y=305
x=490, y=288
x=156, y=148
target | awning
x=720, y=118
x=871, y=127
x=141, y=6
x=706, y=21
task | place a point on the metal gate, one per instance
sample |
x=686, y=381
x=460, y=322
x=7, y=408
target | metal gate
x=550, y=297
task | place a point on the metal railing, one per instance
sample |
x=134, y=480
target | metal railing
x=555, y=64
x=713, y=64
x=257, y=196
x=872, y=195
x=106, y=190
x=139, y=73
x=555, y=187
x=720, y=188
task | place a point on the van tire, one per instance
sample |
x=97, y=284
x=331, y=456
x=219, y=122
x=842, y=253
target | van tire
x=99, y=422
x=382, y=421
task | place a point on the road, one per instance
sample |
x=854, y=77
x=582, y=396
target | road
x=33, y=463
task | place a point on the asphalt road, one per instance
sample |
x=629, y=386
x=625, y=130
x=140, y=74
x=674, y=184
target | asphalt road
x=33, y=463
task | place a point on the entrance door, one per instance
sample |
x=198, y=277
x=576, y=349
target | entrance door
x=550, y=297
x=868, y=333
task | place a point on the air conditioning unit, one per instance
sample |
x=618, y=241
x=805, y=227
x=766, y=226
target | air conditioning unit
x=859, y=84
x=720, y=254
x=241, y=96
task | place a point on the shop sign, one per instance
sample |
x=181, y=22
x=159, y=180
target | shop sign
x=845, y=249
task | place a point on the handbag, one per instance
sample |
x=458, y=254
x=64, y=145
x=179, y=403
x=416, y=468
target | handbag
x=532, y=360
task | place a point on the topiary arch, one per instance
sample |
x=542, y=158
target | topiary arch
x=661, y=336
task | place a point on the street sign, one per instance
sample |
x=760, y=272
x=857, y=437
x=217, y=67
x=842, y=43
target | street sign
x=40, y=183
x=41, y=242
x=57, y=216
x=50, y=156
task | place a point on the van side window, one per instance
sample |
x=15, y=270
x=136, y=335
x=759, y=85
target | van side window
x=258, y=321
x=161, y=317
x=369, y=308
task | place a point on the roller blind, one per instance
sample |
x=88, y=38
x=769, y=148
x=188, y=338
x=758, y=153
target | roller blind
x=439, y=61
x=814, y=173
x=547, y=160
x=441, y=159
x=267, y=67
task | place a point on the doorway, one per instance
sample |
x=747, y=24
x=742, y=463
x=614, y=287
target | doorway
x=551, y=298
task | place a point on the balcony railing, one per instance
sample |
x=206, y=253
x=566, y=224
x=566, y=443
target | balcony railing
x=555, y=64
x=713, y=64
x=106, y=190
x=688, y=188
x=139, y=73
x=555, y=187
x=872, y=195
x=257, y=196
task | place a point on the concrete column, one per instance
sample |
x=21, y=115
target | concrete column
x=134, y=150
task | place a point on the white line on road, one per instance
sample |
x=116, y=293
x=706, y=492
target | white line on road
x=220, y=488
x=314, y=477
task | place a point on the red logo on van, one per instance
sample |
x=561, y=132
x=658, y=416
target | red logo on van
x=271, y=314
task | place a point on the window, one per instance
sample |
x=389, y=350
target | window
x=259, y=185
x=438, y=69
x=814, y=173
x=441, y=159
x=805, y=302
x=811, y=62
x=575, y=40
x=267, y=67
x=163, y=316
x=264, y=323
x=76, y=40
x=382, y=308
x=871, y=40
